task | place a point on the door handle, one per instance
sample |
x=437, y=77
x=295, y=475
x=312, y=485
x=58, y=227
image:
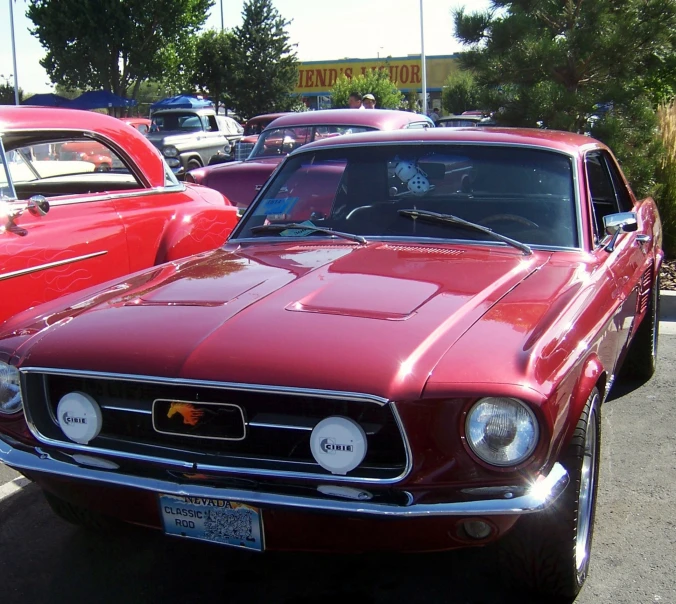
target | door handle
x=643, y=239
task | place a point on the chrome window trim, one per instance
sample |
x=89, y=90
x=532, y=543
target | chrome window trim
x=92, y=197
x=10, y=183
x=309, y=392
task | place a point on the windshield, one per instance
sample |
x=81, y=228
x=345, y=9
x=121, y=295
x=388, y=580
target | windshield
x=521, y=193
x=188, y=122
x=281, y=141
x=6, y=186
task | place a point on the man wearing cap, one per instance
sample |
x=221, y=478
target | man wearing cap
x=354, y=101
x=368, y=101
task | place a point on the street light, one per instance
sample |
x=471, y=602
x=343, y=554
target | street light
x=422, y=60
x=11, y=27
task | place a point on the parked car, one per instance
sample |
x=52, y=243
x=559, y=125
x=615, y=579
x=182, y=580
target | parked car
x=142, y=124
x=100, y=225
x=404, y=345
x=189, y=138
x=252, y=130
x=239, y=181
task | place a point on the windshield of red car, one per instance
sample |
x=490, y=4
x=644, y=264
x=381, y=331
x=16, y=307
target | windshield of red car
x=525, y=194
x=281, y=141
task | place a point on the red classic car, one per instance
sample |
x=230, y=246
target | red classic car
x=239, y=181
x=101, y=224
x=405, y=344
x=252, y=130
x=142, y=124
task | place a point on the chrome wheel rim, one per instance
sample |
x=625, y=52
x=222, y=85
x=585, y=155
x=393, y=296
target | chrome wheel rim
x=586, y=499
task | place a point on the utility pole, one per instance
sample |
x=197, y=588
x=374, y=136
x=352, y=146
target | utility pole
x=222, y=20
x=422, y=60
x=11, y=27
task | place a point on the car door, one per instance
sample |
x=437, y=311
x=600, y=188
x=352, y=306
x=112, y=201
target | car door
x=78, y=243
x=629, y=259
x=211, y=140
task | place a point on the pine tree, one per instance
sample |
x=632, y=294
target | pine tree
x=265, y=61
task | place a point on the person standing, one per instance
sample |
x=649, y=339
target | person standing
x=369, y=101
x=354, y=100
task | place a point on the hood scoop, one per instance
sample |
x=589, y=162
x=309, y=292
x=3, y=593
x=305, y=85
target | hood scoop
x=367, y=296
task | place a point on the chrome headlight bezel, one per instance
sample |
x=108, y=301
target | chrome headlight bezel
x=515, y=418
x=11, y=400
x=170, y=151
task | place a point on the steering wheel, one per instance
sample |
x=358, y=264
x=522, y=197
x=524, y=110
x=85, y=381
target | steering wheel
x=355, y=212
x=509, y=218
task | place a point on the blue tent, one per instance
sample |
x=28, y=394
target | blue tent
x=181, y=101
x=47, y=100
x=100, y=99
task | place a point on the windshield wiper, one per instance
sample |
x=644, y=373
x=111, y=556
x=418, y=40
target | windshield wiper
x=307, y=227
x=450, y=219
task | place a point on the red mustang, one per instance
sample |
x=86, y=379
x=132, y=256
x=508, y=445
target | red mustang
x=405, y=344
x=240, y=180
x=102, y=224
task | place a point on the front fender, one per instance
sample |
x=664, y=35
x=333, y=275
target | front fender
x=188, y=235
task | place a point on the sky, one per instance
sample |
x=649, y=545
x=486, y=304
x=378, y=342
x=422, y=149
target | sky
x=321, y=29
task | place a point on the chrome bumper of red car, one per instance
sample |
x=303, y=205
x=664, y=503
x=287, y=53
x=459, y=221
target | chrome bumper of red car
x=487, y=501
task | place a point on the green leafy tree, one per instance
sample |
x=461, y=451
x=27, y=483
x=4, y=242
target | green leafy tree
x=376, y=81
x=578, y=66
x=7, y=96
x=214, y=69
x=265, y=63
x=460, y=93
x=112, y=44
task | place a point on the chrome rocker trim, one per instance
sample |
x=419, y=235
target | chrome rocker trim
x=537, y=498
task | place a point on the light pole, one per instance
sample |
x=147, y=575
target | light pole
x=222, y=21
x=422, y=60
x=11, y=28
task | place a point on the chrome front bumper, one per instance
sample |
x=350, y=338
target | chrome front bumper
x=478, y=501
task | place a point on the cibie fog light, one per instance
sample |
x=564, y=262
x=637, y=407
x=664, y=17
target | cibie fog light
x=501, y=431
x=338, y=444
x=10, y=389
x=170, y=151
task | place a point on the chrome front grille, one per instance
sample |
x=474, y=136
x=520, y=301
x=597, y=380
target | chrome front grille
x=242, y=150
x=278, y=424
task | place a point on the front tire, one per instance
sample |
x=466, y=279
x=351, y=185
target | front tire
x=193, y=164
x=547, y=553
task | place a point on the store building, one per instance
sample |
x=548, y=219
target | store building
x=316, y=78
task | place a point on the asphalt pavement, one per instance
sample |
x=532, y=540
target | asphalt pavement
x=43, y=559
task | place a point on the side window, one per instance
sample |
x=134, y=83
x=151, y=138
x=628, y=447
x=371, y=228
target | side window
x=212, y=124
x=623, y=197
x=69, y=166
x=602, y=191
x=142, y=128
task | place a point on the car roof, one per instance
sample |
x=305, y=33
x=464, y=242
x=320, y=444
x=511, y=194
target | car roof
x=35, y=121
x=266, y=117
x=567, y=142
x=381, y=119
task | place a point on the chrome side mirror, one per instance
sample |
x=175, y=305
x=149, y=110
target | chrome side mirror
x=614, y=224
x=38, y=205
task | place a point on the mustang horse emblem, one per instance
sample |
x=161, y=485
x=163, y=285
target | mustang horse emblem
x=190, y=415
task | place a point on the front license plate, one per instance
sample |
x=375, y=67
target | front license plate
x=216, y=520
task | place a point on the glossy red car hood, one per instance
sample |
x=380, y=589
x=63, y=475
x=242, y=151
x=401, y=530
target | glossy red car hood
x=375, y=318
x=238, y=180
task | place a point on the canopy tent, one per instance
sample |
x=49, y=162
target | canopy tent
x=182, y=101
x=100, y=99
x=47, y=100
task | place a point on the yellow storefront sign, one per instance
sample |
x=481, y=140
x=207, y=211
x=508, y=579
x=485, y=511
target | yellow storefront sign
x=316, y=77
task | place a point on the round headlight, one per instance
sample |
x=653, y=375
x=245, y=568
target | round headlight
x=10, y=389
x=501, y=431
x=170, y=151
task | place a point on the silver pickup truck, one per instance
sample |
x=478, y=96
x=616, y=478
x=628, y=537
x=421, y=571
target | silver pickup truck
x=189, y=138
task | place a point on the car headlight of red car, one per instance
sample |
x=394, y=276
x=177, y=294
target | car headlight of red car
x=501, y=431
x=10, y=389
